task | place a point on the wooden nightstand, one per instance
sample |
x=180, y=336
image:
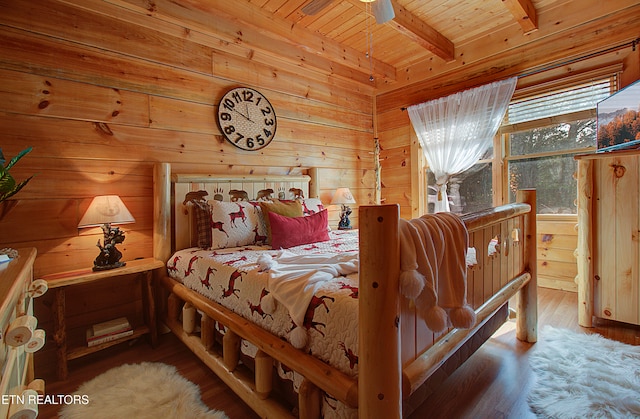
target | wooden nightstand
x=58, y=283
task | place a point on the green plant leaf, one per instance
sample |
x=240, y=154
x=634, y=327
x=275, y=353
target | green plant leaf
x=17, y=157
x=8, y=186
x=6, y=195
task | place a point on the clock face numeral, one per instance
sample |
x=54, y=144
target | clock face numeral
x=247, y=119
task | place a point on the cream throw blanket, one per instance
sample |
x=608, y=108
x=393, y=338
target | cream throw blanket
x=434, y=269
x=294, y=279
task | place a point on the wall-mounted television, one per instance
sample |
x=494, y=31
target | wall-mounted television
x=619, y=119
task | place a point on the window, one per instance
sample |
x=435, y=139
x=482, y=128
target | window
x=543, y=135
x=468, y=191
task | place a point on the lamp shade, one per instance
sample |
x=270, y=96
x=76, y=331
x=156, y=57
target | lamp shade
x=106, y=209
x=342, y=196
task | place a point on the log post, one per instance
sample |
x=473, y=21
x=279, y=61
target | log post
x=309, y=400
x=173, y=307
x=585, y=268
x=207, y=334
x=60, y=334
x=231, y=349
x=162, y=211
x=264, y=374
x=380, y=368
x=527, y=301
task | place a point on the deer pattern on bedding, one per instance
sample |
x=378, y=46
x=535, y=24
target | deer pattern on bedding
x=235, y=282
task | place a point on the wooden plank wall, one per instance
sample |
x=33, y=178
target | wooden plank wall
x=102, y=90
x=557, y=242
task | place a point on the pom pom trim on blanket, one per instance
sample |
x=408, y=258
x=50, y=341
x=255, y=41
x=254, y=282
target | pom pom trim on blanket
x=433, y=265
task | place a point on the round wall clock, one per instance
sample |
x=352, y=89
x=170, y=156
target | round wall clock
x=247, y=119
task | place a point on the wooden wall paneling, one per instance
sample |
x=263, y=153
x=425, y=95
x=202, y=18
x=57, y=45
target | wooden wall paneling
x=74, y=253
x=21, y=51
x=60, y=217
x=180, y=115
x=49, y=96
x=63, y=178
x=55, y=19
x=232, y=67
x=397, y=137
x=392, y=119
x=557, y=241
x=111, y=141
x=227, y=19
x=209, y=30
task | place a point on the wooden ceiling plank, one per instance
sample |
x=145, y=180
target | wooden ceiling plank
x=241, y=22
x=574, y=42
x=421, y=33
x=524, y=12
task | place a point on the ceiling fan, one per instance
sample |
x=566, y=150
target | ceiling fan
x=382, y=9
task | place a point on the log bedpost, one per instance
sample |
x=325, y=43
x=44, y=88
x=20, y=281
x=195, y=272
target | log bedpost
x=527, y=301
x=162, y=211
x=380, y=368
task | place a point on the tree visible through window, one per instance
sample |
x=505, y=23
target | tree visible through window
x=545, y=133
x=553, y=176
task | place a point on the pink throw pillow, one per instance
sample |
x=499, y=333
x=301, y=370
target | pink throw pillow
x=288, y=232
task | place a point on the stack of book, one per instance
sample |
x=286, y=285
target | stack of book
x=108, y=331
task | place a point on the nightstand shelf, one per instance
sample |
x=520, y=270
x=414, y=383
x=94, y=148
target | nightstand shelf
x=71, y=344
x=80, y=351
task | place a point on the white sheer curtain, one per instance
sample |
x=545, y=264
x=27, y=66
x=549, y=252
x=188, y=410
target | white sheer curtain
x=455, y=131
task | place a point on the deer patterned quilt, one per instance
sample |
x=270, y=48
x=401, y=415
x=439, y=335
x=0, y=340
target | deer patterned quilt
x=232, y=278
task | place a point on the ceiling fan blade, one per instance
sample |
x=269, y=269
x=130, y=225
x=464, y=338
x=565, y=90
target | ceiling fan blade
x=382, y=10
x=315, y=6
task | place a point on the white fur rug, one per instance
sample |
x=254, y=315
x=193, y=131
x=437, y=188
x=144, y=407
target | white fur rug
x=584, y=376
x=140, y=391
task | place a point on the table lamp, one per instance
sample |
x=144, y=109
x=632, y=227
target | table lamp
x=343, y=196
x=104, y=211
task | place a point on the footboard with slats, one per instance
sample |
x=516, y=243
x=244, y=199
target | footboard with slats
x=397, y=353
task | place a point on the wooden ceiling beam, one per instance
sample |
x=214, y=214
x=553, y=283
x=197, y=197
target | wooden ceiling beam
x=421, y=33
x=524, y=12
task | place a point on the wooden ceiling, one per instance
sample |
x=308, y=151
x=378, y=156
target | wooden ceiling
x=428, y=39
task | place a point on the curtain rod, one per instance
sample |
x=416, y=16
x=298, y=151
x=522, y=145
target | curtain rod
x=632, y=44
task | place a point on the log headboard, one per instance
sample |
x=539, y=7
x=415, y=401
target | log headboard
x=173, y=226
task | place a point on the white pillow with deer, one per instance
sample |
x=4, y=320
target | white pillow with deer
x=236, y=224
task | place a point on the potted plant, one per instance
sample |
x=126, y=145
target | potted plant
x=8, y=185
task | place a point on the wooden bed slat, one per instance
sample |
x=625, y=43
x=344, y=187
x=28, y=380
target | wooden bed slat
x=328, y=379
x=416, y=373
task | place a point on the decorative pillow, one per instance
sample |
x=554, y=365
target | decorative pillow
x=203, y=224
x=311, y=206
x=236, y=224
x=294, y=231
x=284, y=208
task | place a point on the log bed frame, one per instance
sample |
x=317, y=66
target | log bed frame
x=389, y=374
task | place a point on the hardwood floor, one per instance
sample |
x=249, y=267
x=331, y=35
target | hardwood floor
x=493, y=383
